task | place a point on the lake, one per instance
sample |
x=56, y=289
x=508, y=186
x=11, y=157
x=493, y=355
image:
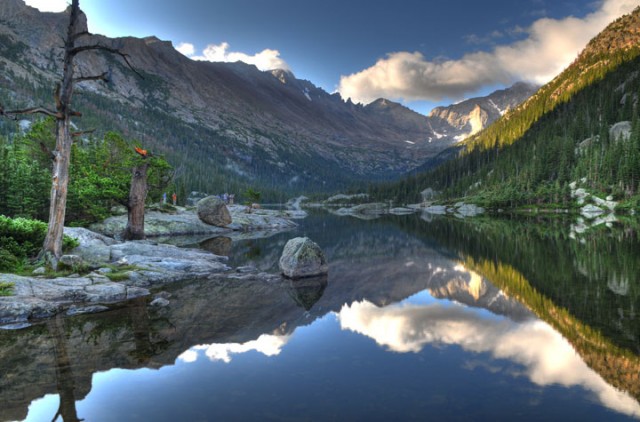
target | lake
x=420, y=318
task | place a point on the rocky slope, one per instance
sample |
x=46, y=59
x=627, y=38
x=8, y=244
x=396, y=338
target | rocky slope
x=471, y=116
x=225, y=121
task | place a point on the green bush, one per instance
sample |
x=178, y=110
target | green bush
x=8, y=261
x=23, y=238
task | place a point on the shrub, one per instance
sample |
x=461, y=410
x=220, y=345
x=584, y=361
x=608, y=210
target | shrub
x=22, y=238
x=8, y=261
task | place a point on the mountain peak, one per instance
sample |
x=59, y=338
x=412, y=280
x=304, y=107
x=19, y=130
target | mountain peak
x=382, y=103
x=621, y=34
x=283, y=75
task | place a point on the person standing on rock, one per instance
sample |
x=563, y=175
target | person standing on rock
x=174, y=197
x=164, y=198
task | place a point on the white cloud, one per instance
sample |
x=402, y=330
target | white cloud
x=267, y=59
x=548, y=358
x=48, y=5
x=186, y=48
x=549, y=47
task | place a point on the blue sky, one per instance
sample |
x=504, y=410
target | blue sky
x=422, y=53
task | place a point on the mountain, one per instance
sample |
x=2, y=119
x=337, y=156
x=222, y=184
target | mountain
x=471, y=116
x=225, y=125
x=579, y=130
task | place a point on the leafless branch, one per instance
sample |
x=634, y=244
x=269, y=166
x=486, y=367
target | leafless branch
x=111, y=50
x=102, y=77
x=34, y=110
x=83, y=132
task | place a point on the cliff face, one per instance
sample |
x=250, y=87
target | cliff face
x=471, y=116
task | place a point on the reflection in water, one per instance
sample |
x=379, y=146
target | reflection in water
x=267, y=344
x=546, y=355
x=307, y=292
x=374, y=267
x=218, y=245
x=65, y=380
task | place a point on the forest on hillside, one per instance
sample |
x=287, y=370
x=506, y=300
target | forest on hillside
x=557, y=137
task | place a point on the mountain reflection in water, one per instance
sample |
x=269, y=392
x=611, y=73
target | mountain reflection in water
x=391, y=281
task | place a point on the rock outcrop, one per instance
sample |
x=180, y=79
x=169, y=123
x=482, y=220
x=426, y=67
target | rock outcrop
x=302, y=257
x=140, y=265
x=186, y=222
x=214, y=211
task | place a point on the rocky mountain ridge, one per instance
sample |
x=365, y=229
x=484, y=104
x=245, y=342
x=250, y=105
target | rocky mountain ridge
x=471, y=116
x=222, y=121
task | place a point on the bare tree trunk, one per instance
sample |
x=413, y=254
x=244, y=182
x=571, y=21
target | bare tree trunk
x=137, y=198
x=52, y=247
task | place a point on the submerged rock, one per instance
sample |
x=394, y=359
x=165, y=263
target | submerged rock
x=214, y=211
x=159, y=302
x=80, y=310
x=302, y=257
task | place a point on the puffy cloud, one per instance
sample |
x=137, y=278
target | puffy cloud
x=267, y=59
x=48, y=5
x=550, y=45
x=186, y=48
x=548, y=358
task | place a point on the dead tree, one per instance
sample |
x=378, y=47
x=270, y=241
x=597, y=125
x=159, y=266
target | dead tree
x=73, y=46
x=137, y=198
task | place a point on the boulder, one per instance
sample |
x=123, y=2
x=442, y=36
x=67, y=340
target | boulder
x=436, y=209
x=620, y=131
x=302, y=257
x=71, y=261
x=94, y=247
x=469, y=210
x=428, y=195
x=591, y=211
x=214, y=211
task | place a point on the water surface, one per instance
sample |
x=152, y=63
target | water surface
x=418, y=319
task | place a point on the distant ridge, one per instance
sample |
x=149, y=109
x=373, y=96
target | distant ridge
x=227, y=125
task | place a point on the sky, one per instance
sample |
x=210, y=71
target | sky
x=422, y=53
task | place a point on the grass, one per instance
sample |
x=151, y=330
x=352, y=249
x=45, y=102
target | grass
x=120, y=273
x=6, y=288
x=118, y=276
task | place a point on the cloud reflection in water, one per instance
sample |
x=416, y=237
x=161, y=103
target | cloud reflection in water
x=548, y=357
x=267, y=344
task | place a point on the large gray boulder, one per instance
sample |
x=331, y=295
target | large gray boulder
x=620, y=131
x=302, y=257
x=214, y=211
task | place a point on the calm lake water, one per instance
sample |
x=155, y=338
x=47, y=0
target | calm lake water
x=419, y=319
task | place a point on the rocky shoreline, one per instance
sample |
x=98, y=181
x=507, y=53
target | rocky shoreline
x=147, y=264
